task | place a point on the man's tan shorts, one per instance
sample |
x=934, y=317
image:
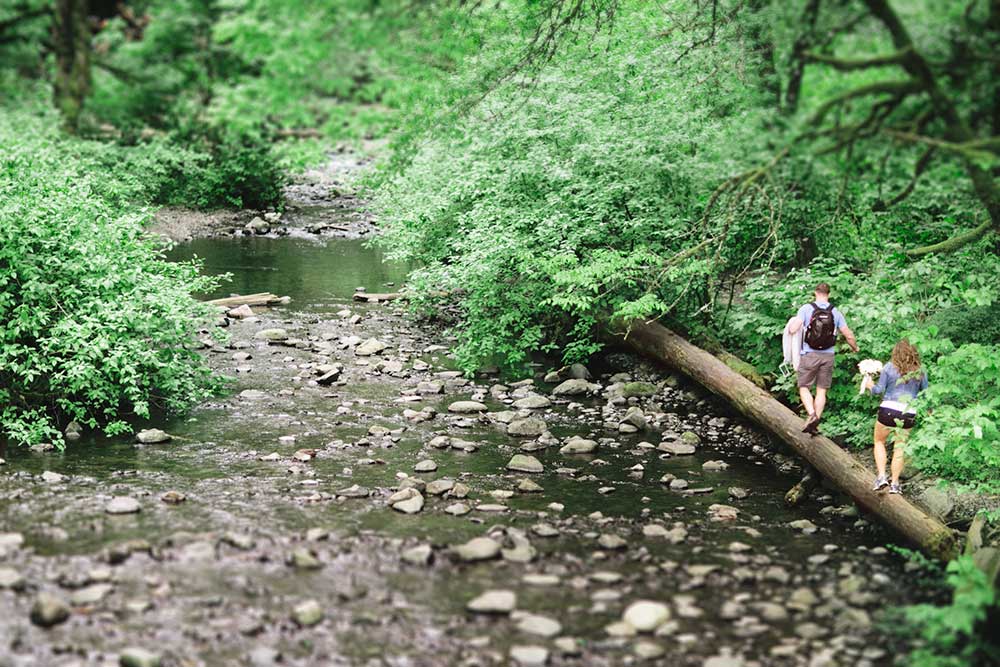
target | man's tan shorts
x=816, y=368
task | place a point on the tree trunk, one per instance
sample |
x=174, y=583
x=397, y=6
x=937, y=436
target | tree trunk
x=836, y=465
x=71, y=42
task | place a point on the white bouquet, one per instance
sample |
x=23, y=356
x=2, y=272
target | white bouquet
x=868, y=368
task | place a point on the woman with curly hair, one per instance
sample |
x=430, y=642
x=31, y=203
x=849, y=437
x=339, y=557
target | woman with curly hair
x=901, y=380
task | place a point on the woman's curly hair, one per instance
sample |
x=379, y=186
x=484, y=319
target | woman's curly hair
x=906, y=358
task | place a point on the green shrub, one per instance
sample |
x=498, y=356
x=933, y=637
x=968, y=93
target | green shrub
x=97, y=325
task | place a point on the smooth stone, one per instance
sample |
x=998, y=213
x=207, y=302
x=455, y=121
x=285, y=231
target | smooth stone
x=49, y=610
x=529, y=486
x=531, y=427
x=529, y=656
x=253, y=394
x=439, y=487
x=464, y=407
x=578, y=446
x=153, y=436
x=690, y=438
x=271, y=335
x=573, y=387
x=304, y=559
x=11, y=579
x=477, y=549
x=676, y=448
x=307, y=613
x=646, y=616
x=648, y=650
x=805, y=525
x=539, y=625
x=426, y=465
x=532, y=402
x=411, y=504
x=493, y=602
x=458, y=509
x=50, y=477
x=173, y=497
x=639, y=390
x=90, y=595
x=524, y=463
x=419, y=555
x=609, y=541
x=122, y=505
x=139, y=657
x=370, y=347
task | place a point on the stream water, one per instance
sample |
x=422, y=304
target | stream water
x=216, y=579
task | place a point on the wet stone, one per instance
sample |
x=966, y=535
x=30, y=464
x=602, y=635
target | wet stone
x=50, y=477
x=532, y=402
x=49, y=610
x=477, y=549
x=122, y=505
x=532, y=427
x=574, y=387
x=466, y=407
x=152, y=436
x=493, y=602
x=529, y=656
x=524, y=463
x=139, y=657
x=307, y=613
x=578, y=445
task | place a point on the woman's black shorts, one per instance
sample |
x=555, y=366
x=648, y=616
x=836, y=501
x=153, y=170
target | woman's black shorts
x=893, y=418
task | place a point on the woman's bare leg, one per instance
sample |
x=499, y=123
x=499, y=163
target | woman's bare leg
x=881, y=433
x=898, y=444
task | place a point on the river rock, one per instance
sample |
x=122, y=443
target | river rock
x=426, y=465
x=477, y=549
x=370, y=347
x=938, y=501
x=528, y=486
x=353, y=491
x=272, y=335
x=307, y=613
x=253, y=394
x=578, y=445
x=90, y=595
x=646, y=616
x=122, y=505
x=542, y=626
x=805, y=525
x=419, y=555
x=153, y=436
x=635, y=417
x=50, y=477
x=493, y=602
x=428, y=388
x=439, y=487
x=139, y=657
x=723, y=661
x=524, y=463
x=11, y=579
x=639, y=390
x=304, y=559
x=407, y=501
x=529, y=656
x=464, y=407
x=690, y=438
x=532, y=402
x=458, y=509
x=574, y=387
x=49, y=610
x=676, y=448
x=714, y=466
x=611, y=541
x=532, y=427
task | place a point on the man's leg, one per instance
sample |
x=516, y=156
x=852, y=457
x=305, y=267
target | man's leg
x=820, y=401
x=807, y=400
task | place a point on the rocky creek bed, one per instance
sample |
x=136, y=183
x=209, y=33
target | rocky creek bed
x=356, y=501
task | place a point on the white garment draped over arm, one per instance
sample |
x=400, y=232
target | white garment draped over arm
x=791, y=344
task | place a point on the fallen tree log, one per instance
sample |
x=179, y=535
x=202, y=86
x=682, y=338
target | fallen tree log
x=259, y=299
x=835, y=464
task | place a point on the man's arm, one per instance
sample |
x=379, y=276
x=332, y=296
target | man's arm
x=849, y=335
x=794, y=325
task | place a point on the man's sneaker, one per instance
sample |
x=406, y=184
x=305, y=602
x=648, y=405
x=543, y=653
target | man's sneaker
x=895, y=488
x=880, y=483
x=811, y=425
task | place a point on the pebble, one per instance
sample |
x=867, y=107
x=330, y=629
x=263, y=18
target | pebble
x=122, y=505
x=307, y=613
x=153, y=436
x=646, y=616
x=493, y=602
x=139, y=657
x=49, y=610
x=524, y=463
x=529, y=656
x=477, y=549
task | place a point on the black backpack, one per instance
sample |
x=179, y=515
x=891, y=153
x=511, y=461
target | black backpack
x=822, y=331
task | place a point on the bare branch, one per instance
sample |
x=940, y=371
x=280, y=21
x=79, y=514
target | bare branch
x=954, y=243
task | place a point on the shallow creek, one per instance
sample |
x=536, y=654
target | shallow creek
x=216, y=579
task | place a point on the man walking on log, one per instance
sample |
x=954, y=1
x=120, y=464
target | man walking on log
x=821, y=322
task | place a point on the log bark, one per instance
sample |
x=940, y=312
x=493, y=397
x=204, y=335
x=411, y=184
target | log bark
x=836, y=465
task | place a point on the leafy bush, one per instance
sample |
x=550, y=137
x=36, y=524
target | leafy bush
x=97, y=326
x=950, y=635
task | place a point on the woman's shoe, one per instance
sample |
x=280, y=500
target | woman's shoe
x=880, y=483
x=895, y=488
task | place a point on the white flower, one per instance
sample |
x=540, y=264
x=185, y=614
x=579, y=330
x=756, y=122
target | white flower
x=870, y=367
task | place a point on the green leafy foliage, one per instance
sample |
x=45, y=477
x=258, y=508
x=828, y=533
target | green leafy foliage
x=97, y=325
